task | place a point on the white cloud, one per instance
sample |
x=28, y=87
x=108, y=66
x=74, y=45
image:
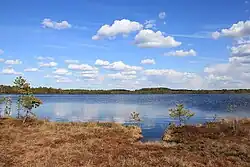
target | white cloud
x=1, y=60
x=150, y=24
x=89, y=75
x=160, y=72
x=128, y=72
x=49, y=64
x=10, y=71
x=181, y=53
x=241, y=41
x=59, y=78
x=120, y=66
x=240, y=60
x=218, y=78
x=31, y=69
x=64, y=80
x=216, y=35
x=150, y=39
x=13, y=62
x=82, y=67
x=101, y=62
x=54, y=76
x=121, y=76
x=71, y=61
x=240, y=50
x=162, y=15
x=48, y=23
x=44, y=58
x=173, y=79
x=123, y=27
x=234, y=73
x=89, y=72
x=240, y=29
x=62, y=71
x=220, y=69
x=1, y=52
x=148, y=61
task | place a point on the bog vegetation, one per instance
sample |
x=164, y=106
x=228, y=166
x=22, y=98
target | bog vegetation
x=181, y=114
x=25, y=103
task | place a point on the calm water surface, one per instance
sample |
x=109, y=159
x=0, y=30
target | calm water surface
x=153, y=109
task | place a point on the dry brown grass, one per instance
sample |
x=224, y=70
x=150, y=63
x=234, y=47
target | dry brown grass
x=49, y=144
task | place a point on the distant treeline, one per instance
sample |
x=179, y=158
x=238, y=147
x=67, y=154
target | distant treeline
x=44, y=90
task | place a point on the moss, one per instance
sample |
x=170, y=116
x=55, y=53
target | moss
x=42, y=143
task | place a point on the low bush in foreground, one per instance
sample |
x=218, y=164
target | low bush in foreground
x=41, y=143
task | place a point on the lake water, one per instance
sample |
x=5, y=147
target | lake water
x=153, y=109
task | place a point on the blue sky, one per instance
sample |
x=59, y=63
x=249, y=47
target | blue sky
x=100, y=44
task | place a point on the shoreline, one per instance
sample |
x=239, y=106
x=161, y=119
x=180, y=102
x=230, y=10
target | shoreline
x=6, y=89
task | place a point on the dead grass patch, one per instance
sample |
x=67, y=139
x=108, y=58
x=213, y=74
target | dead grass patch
x=41, y=143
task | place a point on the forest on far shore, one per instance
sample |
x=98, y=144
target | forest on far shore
x=4, y=89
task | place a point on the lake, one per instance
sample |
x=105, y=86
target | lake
x=153, y=109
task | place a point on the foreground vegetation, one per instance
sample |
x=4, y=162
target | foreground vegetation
x=42, y=143
x=44, y=90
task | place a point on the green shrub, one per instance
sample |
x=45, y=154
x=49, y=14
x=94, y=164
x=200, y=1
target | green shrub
x=181, y=113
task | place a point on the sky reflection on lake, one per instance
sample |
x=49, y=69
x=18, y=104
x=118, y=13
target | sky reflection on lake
x=153, y=109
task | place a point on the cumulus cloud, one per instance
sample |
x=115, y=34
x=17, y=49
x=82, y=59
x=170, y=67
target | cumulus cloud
x=71, y=61
x=90, y=72
x=119, y=27
x=220, y=69
x=10, y=71
x=240, y=50
x=243, y=40
x=120, y=66
x=160, y=72
x=148, y=61
x=1, y=52
x=44, y=58
x=48, y=23
x=128, y=72
x=240, y=29
x=219, y=78
x=31, y=69
x=13, y=62
x=121, y=76
x=181, y=53
x=101, y=62
x=82, y=67
x=150, y=39
x=49, y=64
x=234, y=73
x=173, y=78
x=62, y=71
x=59, y=78
x=240, y=60
x=150, y=24
x=162, y=15
x=1, y=60
x=64, y=80
x=89, y=75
